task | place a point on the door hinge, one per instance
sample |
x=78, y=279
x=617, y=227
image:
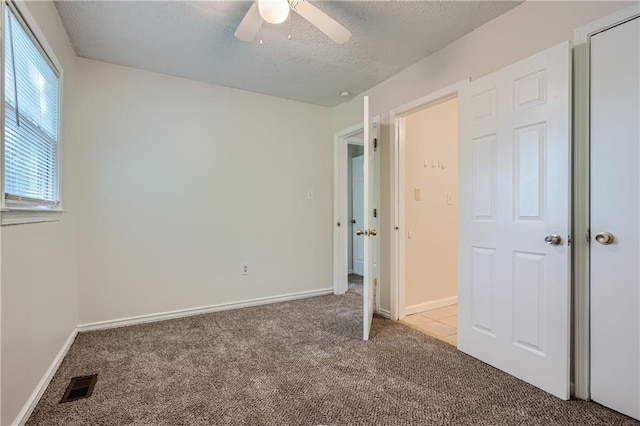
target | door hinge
x=569, y=240
x=375, y=212
x=375, y=144
x=588, y=235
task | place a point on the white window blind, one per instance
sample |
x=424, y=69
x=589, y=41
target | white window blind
x=31, y=118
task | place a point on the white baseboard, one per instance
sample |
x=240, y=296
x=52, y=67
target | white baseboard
x=385, y=313
x=33, y=400
x=434, y=304
x=141, y=319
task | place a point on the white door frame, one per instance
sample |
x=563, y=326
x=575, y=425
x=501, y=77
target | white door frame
x=398, y=249
x=581, y=200
x=340, y=206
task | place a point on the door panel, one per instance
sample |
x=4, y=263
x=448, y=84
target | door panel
x=514, y=289
x=615, y=208
x=371, y=129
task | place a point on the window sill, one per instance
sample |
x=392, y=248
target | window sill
x=24, y=215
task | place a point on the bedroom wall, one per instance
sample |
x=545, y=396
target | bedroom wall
x=184, y=182
x=39, y=261
x=526, y=29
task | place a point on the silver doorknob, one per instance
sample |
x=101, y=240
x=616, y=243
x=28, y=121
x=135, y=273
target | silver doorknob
x=553, y=240
x=359, y=231
x=373, y=232
x=605, y=238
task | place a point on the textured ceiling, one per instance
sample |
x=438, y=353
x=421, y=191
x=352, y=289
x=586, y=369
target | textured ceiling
x=195, y=40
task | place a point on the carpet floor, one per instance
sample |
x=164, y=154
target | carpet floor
x=355, y=284
x=294, y=363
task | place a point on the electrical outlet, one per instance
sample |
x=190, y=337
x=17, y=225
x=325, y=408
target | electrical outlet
x=245, y=269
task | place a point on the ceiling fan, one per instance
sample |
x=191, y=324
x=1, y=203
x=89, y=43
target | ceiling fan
x=277, y=11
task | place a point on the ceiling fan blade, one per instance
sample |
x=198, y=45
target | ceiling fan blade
x=250, y=24
x=324, y=22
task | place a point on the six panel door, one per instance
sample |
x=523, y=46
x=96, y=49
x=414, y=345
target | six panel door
x=513, y=279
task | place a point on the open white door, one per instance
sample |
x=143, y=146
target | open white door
x=370, y=230
x=513, y=276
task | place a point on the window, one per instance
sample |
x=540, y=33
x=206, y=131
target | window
x=31, y=119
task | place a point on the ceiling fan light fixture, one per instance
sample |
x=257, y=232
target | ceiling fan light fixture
x=274, y=11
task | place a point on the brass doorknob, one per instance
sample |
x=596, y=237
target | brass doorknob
x=605, y=238
x=373, y=232
x=359, y=231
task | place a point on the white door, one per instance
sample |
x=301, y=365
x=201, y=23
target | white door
x=513, y=270
x=357, y=221
x=615, y=209
x=370, y=229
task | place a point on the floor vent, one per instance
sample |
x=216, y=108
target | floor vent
x=79, y=387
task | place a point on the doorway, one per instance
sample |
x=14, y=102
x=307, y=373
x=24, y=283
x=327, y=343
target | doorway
x=430, y=237
x=349, y=192
x=424, y=259
x=355, y=191
x=367, y=135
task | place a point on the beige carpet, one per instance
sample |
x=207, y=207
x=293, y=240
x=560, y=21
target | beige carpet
x=355, y=284
x=294, y=363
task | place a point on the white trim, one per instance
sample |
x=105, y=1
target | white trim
x=581, y=178
x=33, y=400
x=340, y=206
x=24, y=215
x=2, y=12
x=582, y=34
x=384, y=313
x=427, y=306
x=181, y=313
x=396, y=124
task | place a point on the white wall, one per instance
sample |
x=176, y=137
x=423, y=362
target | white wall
x=39, y=272
x=184, y=182
x=519, y=33
x=431, y=219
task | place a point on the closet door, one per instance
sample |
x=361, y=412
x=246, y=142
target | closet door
x=615, y=218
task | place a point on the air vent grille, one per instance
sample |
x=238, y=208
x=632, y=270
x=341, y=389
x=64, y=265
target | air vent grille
x=79, y=387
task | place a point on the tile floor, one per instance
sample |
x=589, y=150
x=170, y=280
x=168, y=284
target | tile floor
x=441, y=323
